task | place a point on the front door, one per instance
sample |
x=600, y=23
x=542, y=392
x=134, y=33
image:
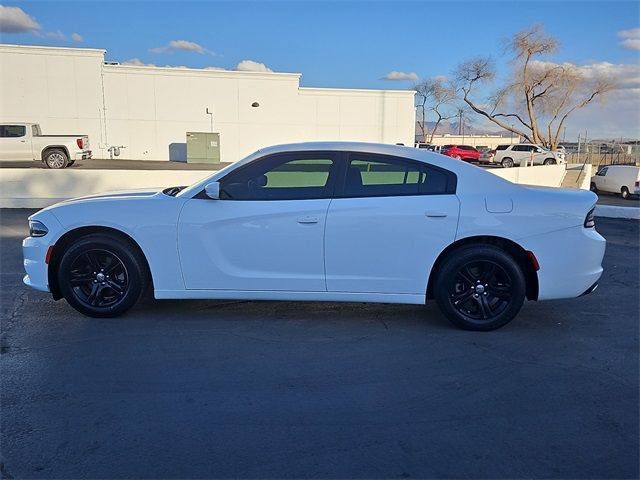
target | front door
x=387, y=225
x=15, y=144
x=267, y=230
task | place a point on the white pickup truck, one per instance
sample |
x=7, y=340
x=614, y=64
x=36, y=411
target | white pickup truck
x=24, y=141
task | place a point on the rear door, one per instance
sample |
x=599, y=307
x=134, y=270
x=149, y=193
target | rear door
x=387, y=223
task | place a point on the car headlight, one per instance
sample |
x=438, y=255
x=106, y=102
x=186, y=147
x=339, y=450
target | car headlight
x=37, y=229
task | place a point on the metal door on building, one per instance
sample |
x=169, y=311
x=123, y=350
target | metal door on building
x=203, y=147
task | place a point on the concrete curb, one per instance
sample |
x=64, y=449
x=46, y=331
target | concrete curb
x=610, y=211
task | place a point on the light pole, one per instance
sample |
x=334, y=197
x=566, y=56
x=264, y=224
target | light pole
x=511, y=133
x=211, y=115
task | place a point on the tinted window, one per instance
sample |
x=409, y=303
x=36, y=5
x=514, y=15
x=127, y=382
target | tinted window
x=502, y=147
x=375, y=175
x=281, y=177
x=603, y=171
x=12, y=131
x=447, y=146
x=465, y=147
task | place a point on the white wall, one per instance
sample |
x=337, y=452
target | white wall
x=541, y=175
x=147, y=109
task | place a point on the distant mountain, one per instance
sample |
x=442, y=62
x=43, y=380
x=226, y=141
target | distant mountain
x=451, y=128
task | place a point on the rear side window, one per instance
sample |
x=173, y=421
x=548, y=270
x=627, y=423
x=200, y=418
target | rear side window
x=12, y=131
x=502, y=147
x=377, y=175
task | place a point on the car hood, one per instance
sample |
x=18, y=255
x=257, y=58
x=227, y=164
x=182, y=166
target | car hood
x=142, y=192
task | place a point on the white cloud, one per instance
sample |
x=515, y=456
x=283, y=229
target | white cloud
x=57, y=35
x=632, y=33
x=183, y=45
x=401, y=76
x=76, y=37
x=136, y=62
x=631, y=43
x=16, y=20
x=251, y=66
x=631, y=38
x=624, y=75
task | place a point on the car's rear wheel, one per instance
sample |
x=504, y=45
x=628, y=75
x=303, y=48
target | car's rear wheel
x=480, y=287
x=624, y=192
x=507, y=162
x=458, y=157
x=549, y=161
x=102, y=276
x=56, y=159
x=593, y=187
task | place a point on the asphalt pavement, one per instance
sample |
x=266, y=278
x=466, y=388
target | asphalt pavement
x=196, y=389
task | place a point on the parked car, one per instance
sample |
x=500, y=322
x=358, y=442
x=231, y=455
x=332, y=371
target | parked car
x=24, y=142
x=622, y=179
x=461, y=152
x=523, y=154
x=326, y=221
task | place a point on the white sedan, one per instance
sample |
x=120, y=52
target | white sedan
x=327, y=221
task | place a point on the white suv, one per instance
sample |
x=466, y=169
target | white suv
x=522, y=154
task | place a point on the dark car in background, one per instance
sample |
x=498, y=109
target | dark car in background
x=461, y=152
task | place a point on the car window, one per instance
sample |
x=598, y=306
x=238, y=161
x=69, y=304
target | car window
x=502, y=147
x=603, y=171
x=12, y=131
x=35, y=129
x=281, y=177
x=378, y=175
x=465, y=147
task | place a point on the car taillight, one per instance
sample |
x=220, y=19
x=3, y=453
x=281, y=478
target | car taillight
x=590, y=220
x=80, y=143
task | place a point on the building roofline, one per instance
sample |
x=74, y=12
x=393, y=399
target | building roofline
x=47, y=49
x=356, y=90
x=219, y=71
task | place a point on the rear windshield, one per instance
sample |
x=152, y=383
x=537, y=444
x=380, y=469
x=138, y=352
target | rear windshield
x=502, y=147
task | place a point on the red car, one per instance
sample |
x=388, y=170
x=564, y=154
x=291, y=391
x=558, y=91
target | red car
x=461, y=152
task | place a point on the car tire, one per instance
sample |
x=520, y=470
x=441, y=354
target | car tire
x=507, y=162
x=56, y=159
x=458, y=157
x=593, y=187
x=624, y=193
x=71, y=163
x=480, y=287
x=549, y=161
x=101, y=275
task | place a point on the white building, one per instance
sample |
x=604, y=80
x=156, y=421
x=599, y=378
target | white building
x=148, y=110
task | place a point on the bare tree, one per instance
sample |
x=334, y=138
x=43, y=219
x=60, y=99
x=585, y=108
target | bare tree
x=541, y=95
x=434, y=99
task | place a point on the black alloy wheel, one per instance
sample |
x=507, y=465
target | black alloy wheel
x=98, y=278
x=481, y=290
x=102, y=275
x=480, y=287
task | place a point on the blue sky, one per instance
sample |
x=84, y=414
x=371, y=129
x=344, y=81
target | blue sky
x=333, y=44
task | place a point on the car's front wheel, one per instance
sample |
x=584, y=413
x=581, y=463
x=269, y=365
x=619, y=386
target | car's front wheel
x=102, y=276
x=480, y=287
x=549, y=161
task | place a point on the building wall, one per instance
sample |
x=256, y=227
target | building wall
x=148, y=110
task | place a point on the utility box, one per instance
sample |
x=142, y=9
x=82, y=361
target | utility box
x=203, y=147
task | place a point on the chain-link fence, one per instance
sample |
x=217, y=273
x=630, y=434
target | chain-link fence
x=603, y=153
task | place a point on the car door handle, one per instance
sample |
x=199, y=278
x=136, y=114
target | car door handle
x=435, y=213
x=308, y=219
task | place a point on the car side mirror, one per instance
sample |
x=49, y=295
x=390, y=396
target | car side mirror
x=212, y=190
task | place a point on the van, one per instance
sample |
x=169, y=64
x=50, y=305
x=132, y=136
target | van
x=622, y=179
